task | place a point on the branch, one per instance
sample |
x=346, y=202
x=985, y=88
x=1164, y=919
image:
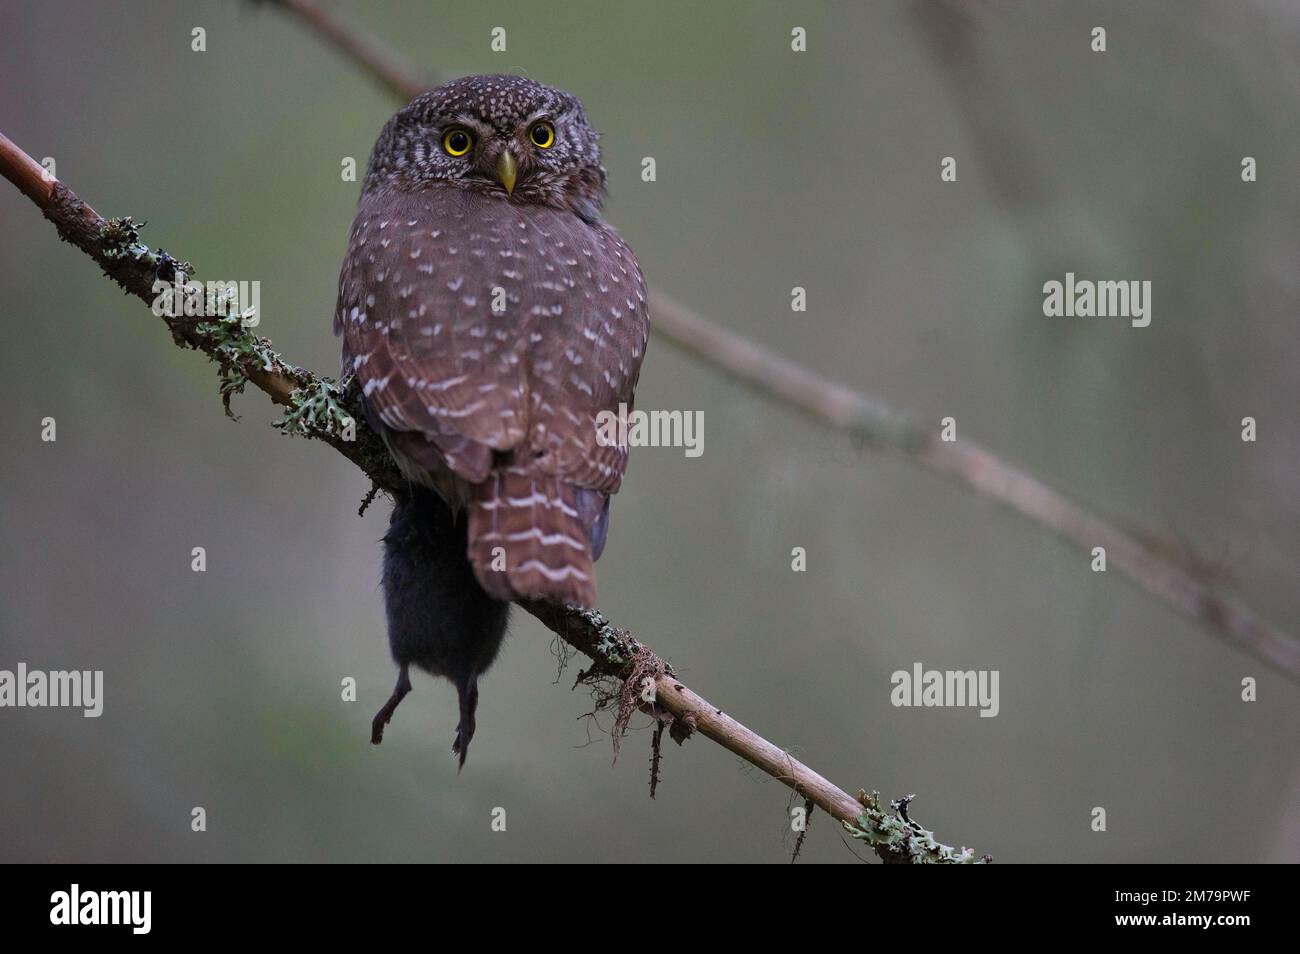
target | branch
x=317, y=408
x=873, y=422
x=895, y=838
x=382, y=64
x=878, y=425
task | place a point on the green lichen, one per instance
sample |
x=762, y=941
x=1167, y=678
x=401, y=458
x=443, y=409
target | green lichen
x=896, y=838
x=616, y=646
x=227, y=340
x=206, y=322
x=227, y=337
x=610, y=642
x=232, y=383
x=319, y=410
x=224, y=336
x=121, y=240
x=609, y=645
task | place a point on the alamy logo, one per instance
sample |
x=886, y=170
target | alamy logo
x=624, y=428
x=194, y=299
x=1089, y=299
x=946, y=688
x=103, y=907
x=79, y=689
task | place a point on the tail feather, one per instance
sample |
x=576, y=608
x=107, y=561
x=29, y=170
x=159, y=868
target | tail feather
x=530, y=537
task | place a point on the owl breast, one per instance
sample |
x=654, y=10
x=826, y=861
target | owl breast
x=487, y=335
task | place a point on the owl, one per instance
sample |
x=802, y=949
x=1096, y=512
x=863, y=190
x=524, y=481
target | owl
x=490, y=316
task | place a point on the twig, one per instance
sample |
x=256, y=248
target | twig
x=808, y=807
x=316, y=408
x=876, y=423
x=368, y=499
x=656, y=755
x=384, y=65
x=617, y=653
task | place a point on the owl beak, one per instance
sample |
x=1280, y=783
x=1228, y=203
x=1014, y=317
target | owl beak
x=506, y=170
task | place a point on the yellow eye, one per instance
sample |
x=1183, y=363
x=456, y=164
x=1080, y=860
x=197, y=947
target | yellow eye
x=457, y=142
x=542, y=135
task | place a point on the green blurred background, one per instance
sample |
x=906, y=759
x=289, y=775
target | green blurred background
x=775, y=169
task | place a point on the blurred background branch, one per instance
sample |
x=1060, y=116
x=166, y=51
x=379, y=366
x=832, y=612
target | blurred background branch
x=382, y=63
x=1181, y=580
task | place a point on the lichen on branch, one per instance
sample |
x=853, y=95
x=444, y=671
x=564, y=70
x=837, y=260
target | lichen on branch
x=317, y=410
x=897, y=839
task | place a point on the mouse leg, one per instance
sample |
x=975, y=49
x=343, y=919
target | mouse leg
x=468, y=692
x=385, y=715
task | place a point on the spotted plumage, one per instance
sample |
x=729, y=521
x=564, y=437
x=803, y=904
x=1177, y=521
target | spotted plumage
x=490, y=316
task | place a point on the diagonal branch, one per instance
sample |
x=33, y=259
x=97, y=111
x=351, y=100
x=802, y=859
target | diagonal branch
x=383, y=64
x=876, y=424
x=317, y=408
x=1177, y=578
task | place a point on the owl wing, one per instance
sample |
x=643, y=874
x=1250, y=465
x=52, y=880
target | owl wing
x=488, y=337
x=585, y=354
x=436, y=365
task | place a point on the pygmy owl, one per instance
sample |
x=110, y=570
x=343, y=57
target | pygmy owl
x=490, y=316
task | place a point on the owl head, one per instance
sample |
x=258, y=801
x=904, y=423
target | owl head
x=504, y=136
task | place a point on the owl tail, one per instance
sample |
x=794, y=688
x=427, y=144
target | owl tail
x=530, y=537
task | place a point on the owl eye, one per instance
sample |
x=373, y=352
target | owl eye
x=457, y=142
x=542, y=135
